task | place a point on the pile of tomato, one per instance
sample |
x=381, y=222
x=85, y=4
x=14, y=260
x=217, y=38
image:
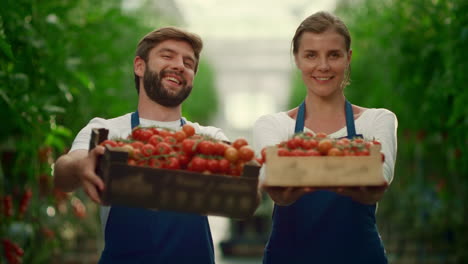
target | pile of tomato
x=308, y=144
x=184, y=150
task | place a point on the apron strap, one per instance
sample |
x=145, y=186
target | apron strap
x=300, y=118
x=135, y=120
x=350, y=121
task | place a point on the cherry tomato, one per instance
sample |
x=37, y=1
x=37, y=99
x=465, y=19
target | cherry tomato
x=163, y=148
x=180, y=135
x=197, y=164
x=363, y=152
x=155, y=139
x=109, y=142
x=188, y=146
x=325, y=145
x=219, y=148
x=246, y=153
x=231, y=154
x=238, y=143
x=213, y=165
x=144, y=135
x=137, y=144
x=321, y=135
x=189, y=130
x=309, y=143
x=206, y=147
x=224, y=165
x=294, y=142
x=147, y=150
x=154, y=163
x=170, y=139
x=173, y=163
x=184, y=159
x=345, y=142
x=335, y=152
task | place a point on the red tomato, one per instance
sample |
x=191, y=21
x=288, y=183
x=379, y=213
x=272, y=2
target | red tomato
x=180, y=135
x=136, y=132
x=297, y=152
x=325, y=145
x=171, y=140
x=164, y=133
x=321, y=135
x=109, y=142
x=173, y=163
x=238, y=143
x=137, y=144
x=376, y=142
x=363, y=152
x=188, y=146
x=334, y=152
x=154, y=130
x=154, y=163
x=147, y=150
x=189, y=130
x=213, y=165
x=345, y=142
x=145, y=135
x=236, y=169
x=309, y=143
x=197, y=164
x=246, y=153
x=294, y=142
x=224, y=165
x=155, y=139
x=184, y=159
x=206, y=147
x=219, y=148
x=358, y=140
x=231, y=154
x=163, y=148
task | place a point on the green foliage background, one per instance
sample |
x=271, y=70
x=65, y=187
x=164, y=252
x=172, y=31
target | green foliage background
x=62, y=63
x=410, y=57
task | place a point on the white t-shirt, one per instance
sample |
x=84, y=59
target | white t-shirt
x=120, y=127
x=374, y=123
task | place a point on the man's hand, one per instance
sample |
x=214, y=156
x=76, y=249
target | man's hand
x=90, y=181
x=365, y=194
x=286, y=195
x=76, y=169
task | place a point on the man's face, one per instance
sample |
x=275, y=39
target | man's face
x=169, y=73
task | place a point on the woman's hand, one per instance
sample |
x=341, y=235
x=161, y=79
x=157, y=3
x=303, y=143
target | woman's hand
x=364, y=194
x=286, y=195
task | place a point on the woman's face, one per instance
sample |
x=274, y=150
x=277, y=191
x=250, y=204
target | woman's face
x=323, y=60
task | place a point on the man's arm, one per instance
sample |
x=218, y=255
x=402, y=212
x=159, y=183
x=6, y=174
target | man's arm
x=76, y=169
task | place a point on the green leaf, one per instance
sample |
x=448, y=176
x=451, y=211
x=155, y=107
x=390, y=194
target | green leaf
x=5, y=48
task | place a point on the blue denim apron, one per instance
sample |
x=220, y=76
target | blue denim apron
x=136, y=235
x=323, y=227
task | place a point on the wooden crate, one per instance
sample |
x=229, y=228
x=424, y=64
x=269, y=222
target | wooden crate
x=324, y=171
x=175, y=190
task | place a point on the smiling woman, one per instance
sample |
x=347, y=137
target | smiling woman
x=327, y=226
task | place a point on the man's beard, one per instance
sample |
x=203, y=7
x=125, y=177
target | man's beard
x=159, y=94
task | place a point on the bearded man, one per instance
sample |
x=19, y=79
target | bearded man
x=165, y=64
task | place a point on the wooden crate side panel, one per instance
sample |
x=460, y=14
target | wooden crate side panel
x=324, y=170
